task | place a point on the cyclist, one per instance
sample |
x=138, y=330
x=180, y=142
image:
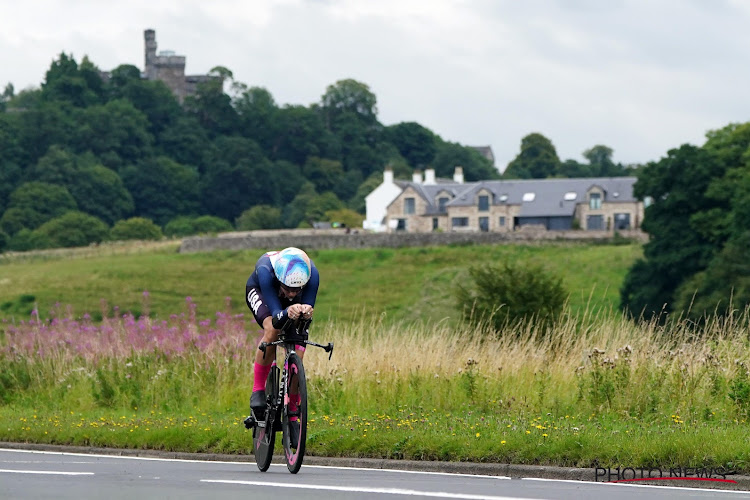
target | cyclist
x=281, y=290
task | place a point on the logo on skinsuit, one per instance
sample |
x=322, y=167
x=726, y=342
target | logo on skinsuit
x=253, y=300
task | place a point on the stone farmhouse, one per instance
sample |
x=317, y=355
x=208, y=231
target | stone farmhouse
x=432, y=204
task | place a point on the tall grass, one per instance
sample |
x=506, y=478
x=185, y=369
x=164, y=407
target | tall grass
x=594, y=388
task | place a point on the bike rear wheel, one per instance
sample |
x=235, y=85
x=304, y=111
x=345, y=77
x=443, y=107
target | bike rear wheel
x=264, y=434
x=294, y=452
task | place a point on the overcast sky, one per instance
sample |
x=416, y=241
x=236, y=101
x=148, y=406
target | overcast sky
x=639, y=76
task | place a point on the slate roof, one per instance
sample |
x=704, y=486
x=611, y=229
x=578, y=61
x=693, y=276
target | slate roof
x=549, y=194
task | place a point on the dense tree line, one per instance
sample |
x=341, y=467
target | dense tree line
x=696, y=261
x=114, y=148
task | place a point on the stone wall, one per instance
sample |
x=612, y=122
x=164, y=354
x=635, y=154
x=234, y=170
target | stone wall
x=311, y=239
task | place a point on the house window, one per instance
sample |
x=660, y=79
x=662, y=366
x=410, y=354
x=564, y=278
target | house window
x=441, y=203
x=434, y=223
x=595, y=201
x=501, y=221
x=484, y=203
x=484, y=224
x=622, y=221
x=503, y=197
x=595, y=222
x=528, y=196
x=409, y=206
x=401, y=226
x=570, y=196
x=460, y=222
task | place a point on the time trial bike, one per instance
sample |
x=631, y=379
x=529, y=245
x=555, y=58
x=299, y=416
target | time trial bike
x=283, y=388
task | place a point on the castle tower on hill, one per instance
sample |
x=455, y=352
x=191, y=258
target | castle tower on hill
x=169, y=68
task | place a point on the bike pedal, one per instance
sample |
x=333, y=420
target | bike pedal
x=250, y=422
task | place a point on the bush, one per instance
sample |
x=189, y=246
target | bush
x=211, y=224
x=179, y=227
x=135, y=228
x=186, y=226
x=3, y=241
x=508, y=294
x=259, y=217
x=26, y=239
x=74, y=229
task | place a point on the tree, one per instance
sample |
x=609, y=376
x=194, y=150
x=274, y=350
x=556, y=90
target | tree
x=96, y=189
x=414, y=142
x=116, y=132
x=475, y=166
x=152, y=98
x=349, y=96
x=345, y=216
x=537, y=159
x=675, y=250
x=162, y=188
x=600, y=162
x=237, y=178
x=34, y=203
x=64, y=81
x=257, y=112
x=212, y=107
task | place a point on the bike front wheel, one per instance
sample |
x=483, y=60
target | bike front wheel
x=294, y=420
x=264, y=435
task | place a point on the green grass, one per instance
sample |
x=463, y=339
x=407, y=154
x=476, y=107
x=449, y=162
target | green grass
x=403, y=284
x=408, y=379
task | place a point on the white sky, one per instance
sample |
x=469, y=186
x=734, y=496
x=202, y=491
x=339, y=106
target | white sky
x=639, y=76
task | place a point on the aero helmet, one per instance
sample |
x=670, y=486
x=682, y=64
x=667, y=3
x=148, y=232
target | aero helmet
x=292, y=267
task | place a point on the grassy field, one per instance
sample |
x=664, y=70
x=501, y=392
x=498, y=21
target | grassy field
x=404, y=284
x=408, y=379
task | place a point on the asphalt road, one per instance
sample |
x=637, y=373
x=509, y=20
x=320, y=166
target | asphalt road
x=29, y=474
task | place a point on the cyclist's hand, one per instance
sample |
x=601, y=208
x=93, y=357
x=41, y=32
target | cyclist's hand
x=307, y=311
x=296, y=311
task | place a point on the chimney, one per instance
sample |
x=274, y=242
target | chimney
x=388, y=175
x=416, y=177
x=458, y=175
x=429, y=176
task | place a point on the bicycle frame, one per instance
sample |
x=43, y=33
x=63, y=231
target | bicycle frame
x=278, y=416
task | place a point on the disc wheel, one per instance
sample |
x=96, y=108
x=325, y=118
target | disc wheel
x=264, y=435
x=294, y=452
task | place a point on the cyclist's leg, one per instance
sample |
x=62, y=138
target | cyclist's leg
x=262, y=367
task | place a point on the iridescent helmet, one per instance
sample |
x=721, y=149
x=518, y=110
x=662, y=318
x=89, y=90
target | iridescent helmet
x=292, y=267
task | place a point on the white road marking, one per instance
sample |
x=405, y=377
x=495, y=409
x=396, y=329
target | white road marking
x=53, y=472
x=631, y=485
x=359, y=489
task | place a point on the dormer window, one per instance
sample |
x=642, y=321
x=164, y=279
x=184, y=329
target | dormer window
x=528, y=196
x=409, y=206
x=484, y=203
x=442, y=202
x=595, y=201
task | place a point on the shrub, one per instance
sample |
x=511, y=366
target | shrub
x=74, y=229
x=259, y=217
x=211, y=224
x=507, y=294
x=135, y=228
x=179, y=226
x=26, y=239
